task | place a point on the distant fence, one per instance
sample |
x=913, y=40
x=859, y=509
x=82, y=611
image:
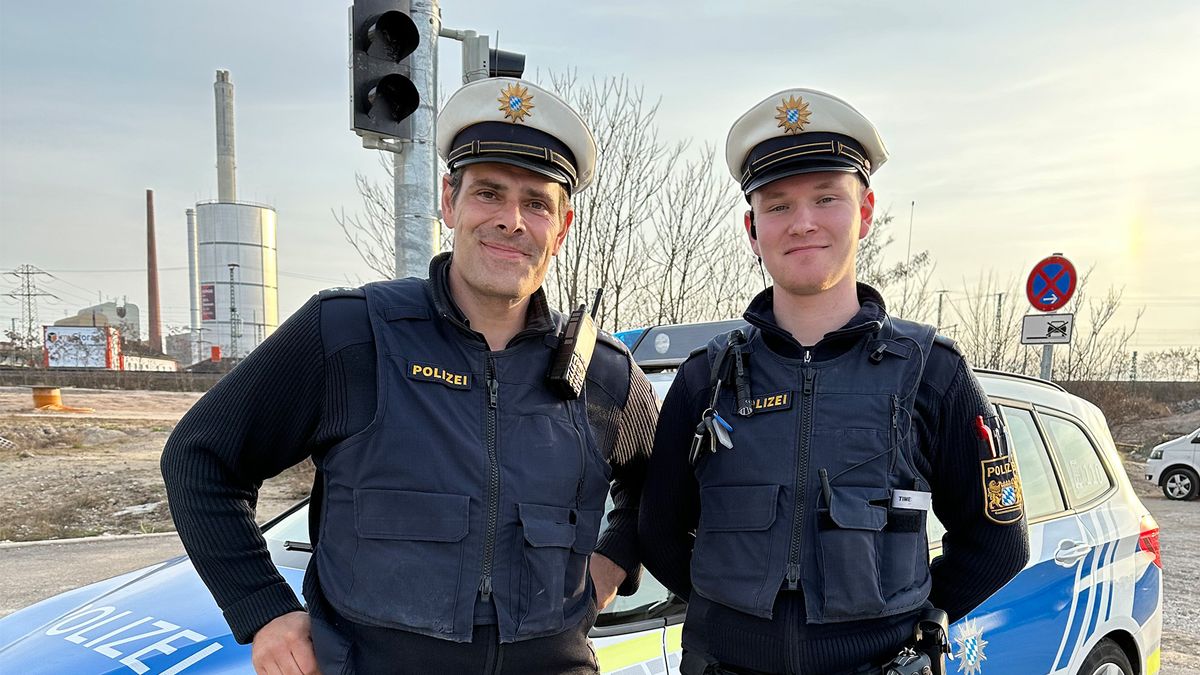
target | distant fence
x=107, y=379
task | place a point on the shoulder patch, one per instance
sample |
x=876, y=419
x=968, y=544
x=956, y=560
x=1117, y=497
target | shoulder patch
x=1002, y=498
x=1001, y=490
x=341, y=292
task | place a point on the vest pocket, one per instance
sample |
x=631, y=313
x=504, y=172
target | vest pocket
x=904, y=557
x=549, y=535
x=847, y=536
x=732, y=556
x=409, y=561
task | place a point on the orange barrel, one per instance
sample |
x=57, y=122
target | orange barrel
x=44, y=396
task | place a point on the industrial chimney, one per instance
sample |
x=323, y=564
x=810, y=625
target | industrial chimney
x=156, y=342
x=226, y=161
x=233, y=313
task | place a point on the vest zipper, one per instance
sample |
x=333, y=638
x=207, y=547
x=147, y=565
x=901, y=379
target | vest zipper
x=793, y=567
x=582, y=456
x=489, y=541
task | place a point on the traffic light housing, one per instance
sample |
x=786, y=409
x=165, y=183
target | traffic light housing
x=505, y=64
x=383, y=37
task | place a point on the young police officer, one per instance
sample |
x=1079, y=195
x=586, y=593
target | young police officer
x=458, y=498
x=796, y=460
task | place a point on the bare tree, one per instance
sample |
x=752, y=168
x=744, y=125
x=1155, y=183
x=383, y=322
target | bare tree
x=606, y=247
x=1179, y=364
x=686, y=246
x=372, y=232
x=904, y=284
x=988, y=331
x=988, y=324
x=1097, y=351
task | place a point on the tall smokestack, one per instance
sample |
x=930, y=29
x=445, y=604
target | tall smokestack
x=226, y=161
x=156, y=342
x=194, y=282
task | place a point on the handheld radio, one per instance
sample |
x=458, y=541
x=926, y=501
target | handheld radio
x=568, y=372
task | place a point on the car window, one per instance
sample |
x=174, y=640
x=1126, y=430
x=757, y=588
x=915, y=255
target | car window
x=1084, y=476
x=1038, y=484
x=1039, y=488
x=293, y=527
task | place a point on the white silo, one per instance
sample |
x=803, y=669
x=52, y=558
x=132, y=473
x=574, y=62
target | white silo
x=235, y=278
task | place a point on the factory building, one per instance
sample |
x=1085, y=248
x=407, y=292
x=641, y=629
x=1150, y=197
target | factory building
x=233, y=278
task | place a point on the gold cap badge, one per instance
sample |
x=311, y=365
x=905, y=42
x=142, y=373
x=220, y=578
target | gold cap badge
x=516, y=102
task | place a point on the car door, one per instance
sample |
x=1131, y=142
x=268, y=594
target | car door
x=1017, y=631
x=1111, y=530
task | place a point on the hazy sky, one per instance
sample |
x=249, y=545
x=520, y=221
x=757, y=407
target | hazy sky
x=1019, y=129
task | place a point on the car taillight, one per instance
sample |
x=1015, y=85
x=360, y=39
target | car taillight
x=1148, y=539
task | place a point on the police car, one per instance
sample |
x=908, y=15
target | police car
x=1089, y=602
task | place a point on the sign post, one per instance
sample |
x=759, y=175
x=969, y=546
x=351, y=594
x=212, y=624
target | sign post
x=1050, y=285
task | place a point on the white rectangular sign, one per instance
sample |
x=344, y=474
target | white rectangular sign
x=78, y=347
x=1047, y=329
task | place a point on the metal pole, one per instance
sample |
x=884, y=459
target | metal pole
x=911, y=210
x=941, y=296
x=1047, y=361
x=193, y=283
x=418, y=229
x=235, y=322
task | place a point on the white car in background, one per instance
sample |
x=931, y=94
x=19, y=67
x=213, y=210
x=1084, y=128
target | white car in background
x=1175, y=467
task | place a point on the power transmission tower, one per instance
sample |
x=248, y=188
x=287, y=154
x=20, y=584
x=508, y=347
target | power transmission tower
x=235, y=322
x=27, y=294
x=941, y=296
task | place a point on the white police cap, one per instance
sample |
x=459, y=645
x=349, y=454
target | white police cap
x=801, y=131
x=511, y=121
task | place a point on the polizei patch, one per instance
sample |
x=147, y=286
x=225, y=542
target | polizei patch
x=1001, y=490
x=772, y=402
x=427, y=373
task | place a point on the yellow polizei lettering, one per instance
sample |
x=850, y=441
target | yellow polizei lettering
x=428, y=373
x=1002, y=470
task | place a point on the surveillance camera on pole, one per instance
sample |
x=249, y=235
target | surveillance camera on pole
x=479, y=61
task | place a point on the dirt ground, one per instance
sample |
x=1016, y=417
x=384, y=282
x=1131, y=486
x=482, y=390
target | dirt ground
x=69, y=474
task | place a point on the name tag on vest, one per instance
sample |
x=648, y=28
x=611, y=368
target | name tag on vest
x=426, y=373
x=772, y=402
x=911, y=499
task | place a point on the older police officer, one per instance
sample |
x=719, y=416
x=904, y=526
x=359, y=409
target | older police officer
x=796, y=460
x=458, y=499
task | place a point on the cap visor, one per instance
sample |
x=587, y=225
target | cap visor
x=813, y=166
x=554, y=174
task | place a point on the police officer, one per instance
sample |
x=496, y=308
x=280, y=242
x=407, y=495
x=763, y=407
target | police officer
x=797, y=459
x=458, y=499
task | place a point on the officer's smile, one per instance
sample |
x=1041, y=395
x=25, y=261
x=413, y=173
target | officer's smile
x=504, y=252
x=805, y=248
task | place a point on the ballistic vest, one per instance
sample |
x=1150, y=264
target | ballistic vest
x=804, y=499
x=472, y=483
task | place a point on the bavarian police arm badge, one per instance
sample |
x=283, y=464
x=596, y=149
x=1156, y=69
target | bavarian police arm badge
x=1002, y=502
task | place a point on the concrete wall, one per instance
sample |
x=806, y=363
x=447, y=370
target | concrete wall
x=107, y=379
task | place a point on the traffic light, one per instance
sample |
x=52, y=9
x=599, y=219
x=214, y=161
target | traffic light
x=383, y=37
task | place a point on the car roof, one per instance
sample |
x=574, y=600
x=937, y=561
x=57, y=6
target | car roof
x=665, y=347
